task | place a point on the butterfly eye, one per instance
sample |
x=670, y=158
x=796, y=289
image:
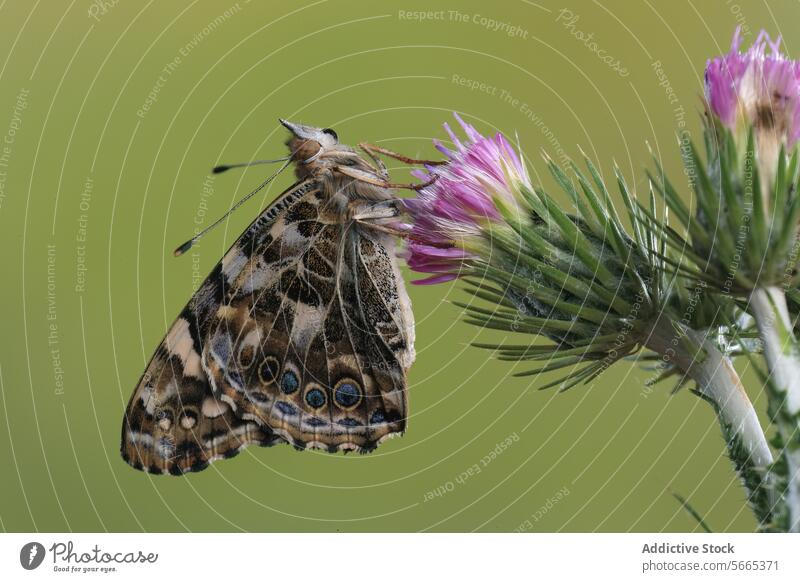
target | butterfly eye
x=331, y=133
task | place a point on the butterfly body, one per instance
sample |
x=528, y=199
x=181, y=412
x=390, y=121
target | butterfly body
x=303, y=333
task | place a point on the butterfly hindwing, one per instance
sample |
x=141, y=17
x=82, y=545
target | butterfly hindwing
x=305, y=343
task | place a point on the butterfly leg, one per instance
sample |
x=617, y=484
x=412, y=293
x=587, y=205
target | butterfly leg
x=372, y=150
x=387, y=229
x=381, y=167
x=368, y=178
x=373, y=215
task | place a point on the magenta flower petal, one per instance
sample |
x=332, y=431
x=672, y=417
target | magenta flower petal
x=453, y=137
x=454, y=208
x=760, y=87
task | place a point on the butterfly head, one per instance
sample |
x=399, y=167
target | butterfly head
x=308, y=144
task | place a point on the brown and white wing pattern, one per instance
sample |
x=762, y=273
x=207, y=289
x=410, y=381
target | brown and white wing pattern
x=303, y=333
x=315, y=336
x=173, y=422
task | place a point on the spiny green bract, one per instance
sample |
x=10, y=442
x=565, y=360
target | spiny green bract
x=578, y=279
x=743, y=231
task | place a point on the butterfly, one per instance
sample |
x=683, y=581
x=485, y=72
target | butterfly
x=303, y=332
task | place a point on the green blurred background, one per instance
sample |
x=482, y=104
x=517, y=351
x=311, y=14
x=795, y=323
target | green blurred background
x=100, y=182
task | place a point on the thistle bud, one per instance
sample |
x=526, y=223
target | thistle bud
x=757, y=90
x=573, y=277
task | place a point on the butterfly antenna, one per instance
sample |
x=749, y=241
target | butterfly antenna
x=190, y=243
x=226, y=167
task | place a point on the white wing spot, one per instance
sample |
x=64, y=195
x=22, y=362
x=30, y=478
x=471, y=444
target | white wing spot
x=212, y=408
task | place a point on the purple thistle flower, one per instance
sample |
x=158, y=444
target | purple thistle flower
x=760, y=87
x=450, y=214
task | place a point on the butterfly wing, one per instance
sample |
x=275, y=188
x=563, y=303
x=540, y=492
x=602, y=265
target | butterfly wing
x=173, y=422
x=303, y=333
x=315, y=336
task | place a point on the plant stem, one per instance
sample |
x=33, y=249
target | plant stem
x=717, y=381
x=769, y=308
x=719, y=384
